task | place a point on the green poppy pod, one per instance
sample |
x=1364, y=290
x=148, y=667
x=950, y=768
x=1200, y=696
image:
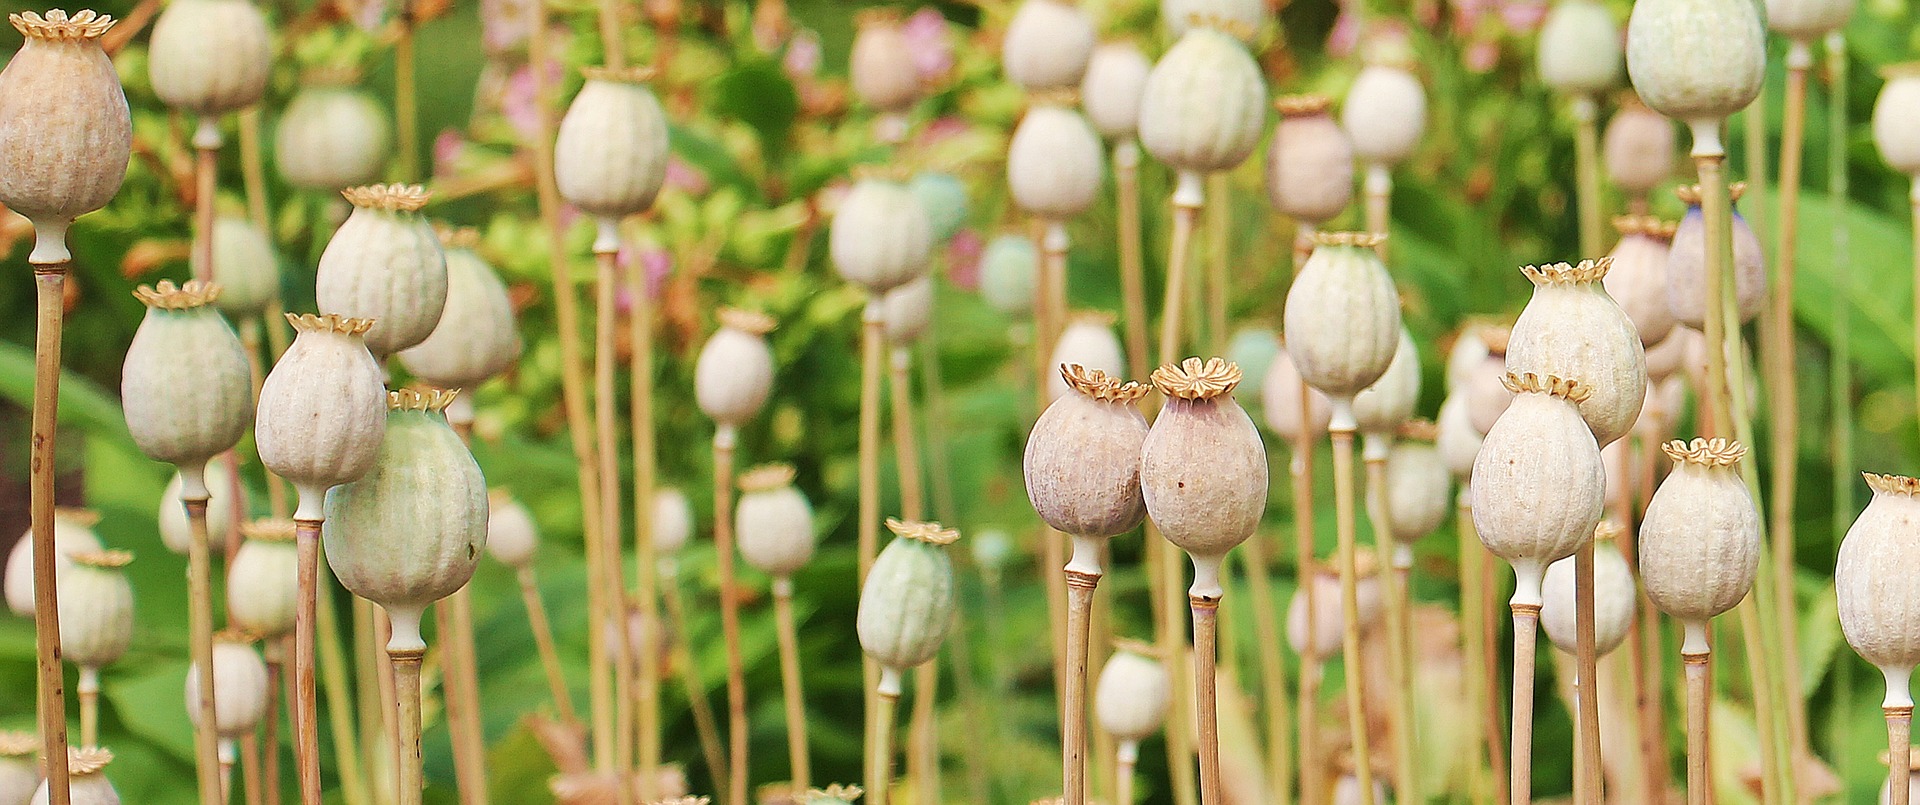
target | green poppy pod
x=907, y=604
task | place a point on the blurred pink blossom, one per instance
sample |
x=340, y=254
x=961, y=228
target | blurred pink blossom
x=941, y=129
x=1481, y=55
x=505, y=24
x=963, y=259
x=368, y=14
x=655, y=262
x=1346, y=31
x=686, y=178
x=803, y=54
x=517, y=102
x=928, y=33
x=1467, y=14
x=1523, y=16
x=447, y=150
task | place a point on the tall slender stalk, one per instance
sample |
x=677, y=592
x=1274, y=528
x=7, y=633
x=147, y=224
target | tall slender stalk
x=1840, y=383
x=723, y=447
x=1586, y=158
x=704, y=723
x=1125, y=756
x=1784, y=403
x=306, y=724
x=646, y=564
x=1490, y=660
x=206, y=731
x=1187, y=201
x=1206, y=611
x=1771, y=789
x=1300, y=468
x=406, y=97
x=1397, y=595
x=1133, y=304
x=1273, y=672
x=880, y=739
x=790, y=685
x=1483, y=710
x=1526, y=631
x=1343, y=494
x=453, y=617
x=543, y=642
x=50, y=281
x=206, y=171
x=873, y=348
x=1717, y=210
x=607, y=574
x=274, y=651
x=1899, y=753
x=1073, y=711
x=1050, y=322
x=1589, y=788
x=88, y=688
x=1699, y=701
x=250, y=769
x=1219, y=252
x=1188, y=198
x=333, y=669
x=923, y=732
x=406, y=737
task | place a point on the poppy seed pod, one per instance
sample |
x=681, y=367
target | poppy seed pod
x=1668, y=357
x=1342, y=318
x=210, y=57
x=86, y=779
x=1638, y=147
x=1486, y=390
x=1687, y=264
x=239, y=686
x=1697, y=61
x=96, y=608
x=323, y=409
x=1252, y=349
x=475, y=338
x=881, y=237
x=1455, y=436
x=333, y=135
x=1131, y=696
x=1580, y=48
x=1465, y=355
x=245, y=267
x=1203, y=470
x=72, y=533
x=734, y=373
x=1110, y=92
x=19, y=774
x=1807, y=20
x=67, y=133
x=1638, y=279
x=774, y=522
x=1204, y=104
x=1309, y=161
x=1894, y=111
x=1382, y=407
x=1573, y=330
x=1237, y=18
x=907, y=602
x=610, y=154
x=1054, y=160
x=1385, y=114
x=944, y=197
x=176, y=533
x=907, y=310
x=831, y=795
x=384, y=264
x=1419, y=488
x=1614, y=596
x=1700, y=538
x=1329, y=619
x=186, y=385
x=1006, y=274
x=1047, y=46
x=1539, y=485
x=1082, y=461
x=262, y=582
x=672, y=520
x=410, y=531
x=1088, y=341
x=513, y=538
x=1873, y=575
x=882, y=64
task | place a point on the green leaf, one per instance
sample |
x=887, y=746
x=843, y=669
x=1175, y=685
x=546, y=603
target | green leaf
x=81, y=402
x=759, y=94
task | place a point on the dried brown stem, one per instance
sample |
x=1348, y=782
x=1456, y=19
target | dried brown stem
x=1343, y=495
x=50, y=283
x=1587, y=698
x=646, y=566
x=406, y=735
x=880, y=748
x=1126, y=173
x=1219, y=252
x=1586, y=158
x=206, y=731
x=1273, y=671
x=406, y=98
x=1490, y=660
x=1396, y=593
x=1378, y=188
x=730, y=615
x=1173, y=303
x=1073, y=721
x=1784, y=409
x=1760, y=673
x=1717, y=210
x=1206, y=611
x=543, y=642
x=250, y=768
x=608, y=572
x=704, y=723
x=1526, y=630
x=1187, y=202
x=1899, y=764
x=1699, y=699
x=923, y=741
x=453, y=617
x=1484, y=712
x=791, y=687
x=88, y=689
x=275, y=651
x=873, y=347
x=306, y=723
x=1300, y=470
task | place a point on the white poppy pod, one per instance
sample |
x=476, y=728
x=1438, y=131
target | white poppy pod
x=908, y=310
x=1346, y=789
x=1047, y=46
x=1342, y=318
x=1385, y=114
x=1580, y=49
x=1614, y=597
x=1807, y=20
x=1419, y=490
x=734, y=373
x=610, y=153
x=1322, y=640
x=72, y=533
x=1638, y=147
x=1082, y=461
x=1687, y=264
x=1538, y=484
x=1466, y=353
x=1667, y=358
x=1573, y=330
x=19, y=773
x=1697, y=61
x=1700, y=538
x=68, y=129
x=1204, y=105
x=1130, y=697
x=1280, y=400
x=774, y=522
x=384, y=263
x=186, y=387
x=907, y=603
x=239, y=686
x=882, y=63
x=1087, y=341
x=323, y=408
x=96, y=608
x=1309, y=161
x=333, y=135
x=476, y=337
x=513, y=538
x=1382, y=407
x=175, y=531
x=1054, y=160
x=245, y=267
x=1007, y=271
x=881, y=237
x=1240, y=19
x=672, y=520
x=1455, y=436
x=1873, y=575
x=87, y=782
x=1894, y=110
x=1203, y=470
x=262, y=581
x=210, y=57
x=1110, y=92
x=1638, y=279
x=1485, y=389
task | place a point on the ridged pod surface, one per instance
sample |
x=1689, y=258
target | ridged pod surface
x=1538, y=483
x=87, y=782
x=96, y=608
x=1381, y=408
x=1419, y=493
x=513, y=537
x=1082, y=459
x=1054, y=162
x=881, y=65
x=65, y=131
x=323, y=408
x=239, y=686
x=186, y=387
x=1322, y=640
x=1342, y=318
x=1385, y=114
x=1687, y=265
x=1638, y=279
x=1088, y=341
x=1130, y=697
x=1580, y=48
x=210, y=57
x=332, y=136
x=1807, y=20
x=1894, y=111
x=1614, y=598
x=1007, y=270
x=1204, y=105
x=172, y=516
x=1699, y=545
x=881, y=237
x=1309, y=161
x=72, y=533
x=245, y=267
x=1638, y=147
x=1573, y=330
x=261, y=582
x=1203, y=469
x=1873, y=576
x=1047, y=46
x=475, y=338
x=907, y=604
x=774, y=521
x=610, y=154
x=385, y=264
x=734, y=373
x=1110, y=92
x=1696, y=60
x=1280, y=400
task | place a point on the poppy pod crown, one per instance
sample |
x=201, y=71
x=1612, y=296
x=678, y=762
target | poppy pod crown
x=1203, y=469
x=186, y=384
x=1879, y=608
x=1538, y=480
x=1082, y=461
x=70, y=132
x=1572, y=329
x=907, y=603
x=1700, y=537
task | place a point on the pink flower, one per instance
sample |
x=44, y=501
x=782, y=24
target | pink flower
x=1345, y=33
x=448, y=148
x=1523, y=16
x=963, y=259
x=504, y=24
x=686, y=178
x=803, y=54
x=655, y=264
x=1467, y=14
x=943, y=128
x=928, y=34
x=1481, y=55
x=518, y=104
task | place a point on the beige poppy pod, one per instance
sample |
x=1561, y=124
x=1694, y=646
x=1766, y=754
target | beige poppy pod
x=1614, y=596
x=1699, y=545
x=1131, y=695
x=1687, y=264
x=907, y=603
x=186, y=387
x=672, y=520
x=385, y=264
x=1380, y=409
x=1894, y=110
x=1280, y=400
x=96, y=608
x=1419, y=488
x=1203, y=470
x=1573, y=330
x=1697, y=61
x=610, y=153
x=1087, y=341
x=239, y=686
x=323, y=409
x=1240, y=19
x=67, y=133
x=1048, y=45
x=1667, y=358
x=262, y=581
x=1465, y=355
x=1082, y=462
x=1807, y=20
x=908, y=310
x=831, y=795
x=19, y=773
x=1385, y=113
x=1455, y=436
x=210, y=57
x=1638, y=279
x=87, y=782
x=1486, y=391
x=1111, y=90
x=1204, y=105
x=882, y=65
x=881, y=237
x=475, y=338
x=1342, y=318
x=72, y=533
x=1321, y=639
x=176, y=533
x=1873, y=578
x=1580, y=50
x=513, y=537
x=1638, y=147
x=245, y=267
x=734, y=373
x=1054, y=160
x=333, y=134
x=774, y=522
x=1309, y=161
x=1539, y=485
